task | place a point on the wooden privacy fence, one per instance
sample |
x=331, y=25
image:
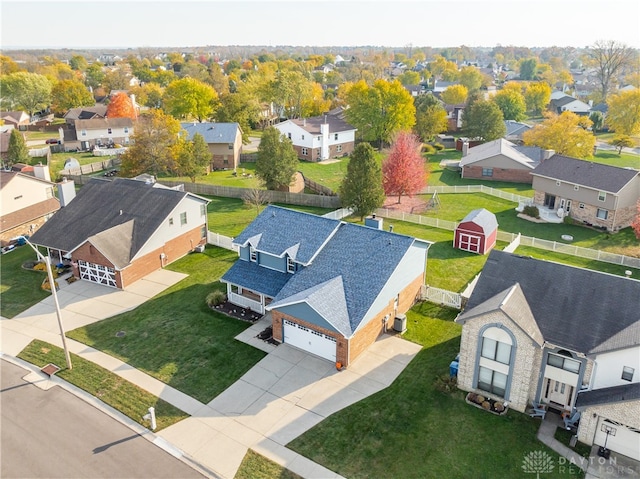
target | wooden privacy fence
x=76, y=173
x=317, y=187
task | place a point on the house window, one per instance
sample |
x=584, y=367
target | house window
x=494, y=360
x=487, y=171
x=602, y=214
x=305, y=152
x=253, y=255
x=565, y=363
x=576, y=187
x=231, y=146
x=109, y=131
x=291, y=266
x=203, y=210
x=339, y=148
x=126, y=129
x=492, y=381
x=170, y=221
x=303, y=137
x=183, y=218
x=319, y=138
x=627, y=373
x=581, y=206
x=602, y=196
x=225, y=162
x=289, y=135
x=496, y=350
x=83, y=132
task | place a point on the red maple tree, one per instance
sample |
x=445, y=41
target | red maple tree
x=403, y=172
x=121, y=106
x=635, y=224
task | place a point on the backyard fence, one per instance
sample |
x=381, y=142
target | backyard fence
x=222, y=241
x=339, y=214
x=76, y=173
x=318, y=188
x=108, y=151
x=248, y=157
x=417, y=219
x=476, y=189
x=442, y=297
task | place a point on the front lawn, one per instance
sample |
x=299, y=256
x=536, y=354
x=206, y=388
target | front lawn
x=412, y=430
x=255, y=466
x=120, y=394
x=175, y=337
x=20, y=288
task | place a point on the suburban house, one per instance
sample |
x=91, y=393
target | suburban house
x=5, y=135
x=501, y=160
x=224, y=141
x=19, y=119
x=477, y=232
x=332, y=287
x=100, y=132
x=115, y=232
x=84, y=113
x=568, y=103
x=27, y=202
x=595, y=194
x=536, y=332
x=515, y=129
x=320, y=138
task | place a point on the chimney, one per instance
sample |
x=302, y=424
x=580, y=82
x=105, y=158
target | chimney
x=66, y=192
x=546, y=154
x=304, y=122
x=465, y=148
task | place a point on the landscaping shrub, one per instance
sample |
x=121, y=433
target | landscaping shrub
x=446, y=384
x=428, y=149
x=438, y=146
x=531, y=211
x=568, y=220
x=216, y=298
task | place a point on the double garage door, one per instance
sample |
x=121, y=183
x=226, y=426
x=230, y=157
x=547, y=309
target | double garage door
x=622, y=439
x=97, y=273
x=309, y=340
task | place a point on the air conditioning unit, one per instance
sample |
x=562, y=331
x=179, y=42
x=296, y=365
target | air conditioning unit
x=400, y=323
x=200, y=248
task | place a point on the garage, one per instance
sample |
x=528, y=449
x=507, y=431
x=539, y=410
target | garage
x=622, y=439
x=97, y=273
x=309, y=340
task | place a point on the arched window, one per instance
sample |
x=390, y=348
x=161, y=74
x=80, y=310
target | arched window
x=495, y=357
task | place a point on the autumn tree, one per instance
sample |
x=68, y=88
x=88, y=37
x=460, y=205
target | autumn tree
x=537, y=96
x=623, y=116
x=7, y=65
x=621, y=141
x=116, y=79
x=566, y=134
x=78, y=62
x=68, y=94
x=188, y=98
x=471, y=78
x=155, y=144
x=409, y=78
x=609, y=59
x=17, y=151
x=25, y=91
x=94, y=76
x=403, y=171
x=192, y=157
x=512, y=104
x=455, y=94
x=431, y=117
x=277, y=160
x=483, y=119
x=121, y=106
x=380, y=110
x=361, y=188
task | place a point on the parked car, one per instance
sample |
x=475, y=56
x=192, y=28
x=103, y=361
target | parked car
x=52, y=141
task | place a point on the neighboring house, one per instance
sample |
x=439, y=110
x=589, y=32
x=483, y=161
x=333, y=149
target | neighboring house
x=118, y=231
x=454, y=116
x=224, y=141
x=501, y=160
x=439, y=86
x=19, y=119
x=540, y=332
x=568, y=103
x=84, y=113
x=100, y=132
x=595, y=194
x=320, y=138
x=332, y=287
x=515, y=130
x=27, y=202
x=5, y=134
x=477, y=232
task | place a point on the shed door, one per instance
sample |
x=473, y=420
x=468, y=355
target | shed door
x=97, y=273
x=309, y=340
x=626, y=441
x=470, y=242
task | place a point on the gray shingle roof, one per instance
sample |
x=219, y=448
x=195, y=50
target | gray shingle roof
x=585, y=173
x=501, y=147
x=614, y=394
x=350, y=270
x=578, y=309
x=86, y=112
x=483, y=218
x=120, y=215
x=279, y=230
x=256, y=278
x=103, y=123
x=213, y=132
x=336, y=123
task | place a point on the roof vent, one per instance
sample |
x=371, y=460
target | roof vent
x=120, y=212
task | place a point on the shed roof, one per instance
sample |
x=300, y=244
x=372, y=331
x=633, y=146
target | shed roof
x=483, y=218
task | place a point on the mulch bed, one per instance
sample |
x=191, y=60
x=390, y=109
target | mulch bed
x=415, y=204
x=237, y=312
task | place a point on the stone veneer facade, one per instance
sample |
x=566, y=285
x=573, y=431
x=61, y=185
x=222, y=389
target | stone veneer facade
x=627, y=413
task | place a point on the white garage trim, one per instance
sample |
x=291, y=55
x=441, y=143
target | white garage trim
x=97, y=273
x=469, y=242
x=309, y=340
x=622, y=439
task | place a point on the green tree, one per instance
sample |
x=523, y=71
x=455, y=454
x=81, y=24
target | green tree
x=380, y=110
x=597, y=118
x=361, y=188
x=622, y=141
x=155, y=145
x=30, y=92
x=17, y=151
x=193, y=157
x=277, y=160
x=78, y=63
x=528, y=69
x=188, y=98
x=94, y=76
x=68, y=94
x=455, y=95
x=609, y=58
x=240, y=107
x=409, y=78
x=471, y=78
x=567, y=134
x=431, y=117
x=537, y=96
x=511, y=103
x=624, y=112
x=116, y=79
x=484, y=119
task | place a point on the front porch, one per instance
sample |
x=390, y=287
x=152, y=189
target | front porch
x=248, y=299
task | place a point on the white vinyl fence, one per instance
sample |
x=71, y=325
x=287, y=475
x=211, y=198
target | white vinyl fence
x=222, y=241
x=442, y=297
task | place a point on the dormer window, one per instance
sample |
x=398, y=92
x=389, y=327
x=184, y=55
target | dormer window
x=291, y=265
x=253, y=254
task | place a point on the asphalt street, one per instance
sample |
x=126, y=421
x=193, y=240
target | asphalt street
x=54, y=434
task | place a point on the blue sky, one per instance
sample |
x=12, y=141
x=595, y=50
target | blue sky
x=434, y=23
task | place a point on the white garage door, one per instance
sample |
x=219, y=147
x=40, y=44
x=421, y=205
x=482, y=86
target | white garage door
x=622, y=439
x=470, y=243
x=97, y=273
x=309, y=340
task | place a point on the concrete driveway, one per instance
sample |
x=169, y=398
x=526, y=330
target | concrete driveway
x=281, y=397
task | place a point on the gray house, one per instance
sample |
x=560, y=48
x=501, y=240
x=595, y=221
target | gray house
x=592, y=193
x=224, y=141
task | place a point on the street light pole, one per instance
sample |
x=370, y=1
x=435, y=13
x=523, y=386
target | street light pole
x=52, y=285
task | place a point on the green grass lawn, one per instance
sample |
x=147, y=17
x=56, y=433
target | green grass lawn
x=175, y=337
x=612, y=158
x=19, y=288
x=129, y=399
x=413, y=430
x=255, y=466
x=227, y=178
x=58, y=159
x=327, y=174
